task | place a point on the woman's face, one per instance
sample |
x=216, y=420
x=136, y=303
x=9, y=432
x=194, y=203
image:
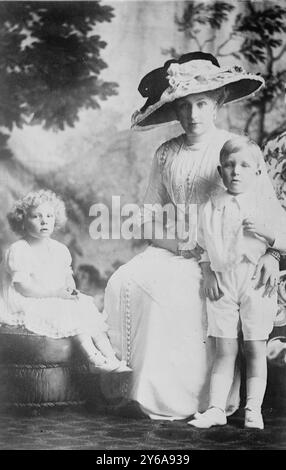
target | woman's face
x=196, y=113
x=40, y=221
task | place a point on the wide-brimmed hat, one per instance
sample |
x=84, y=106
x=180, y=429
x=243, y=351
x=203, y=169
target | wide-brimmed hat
x=195, y=72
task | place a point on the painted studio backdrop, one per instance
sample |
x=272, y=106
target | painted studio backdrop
x=69, y=73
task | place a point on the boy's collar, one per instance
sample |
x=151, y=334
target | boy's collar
x=221, y=199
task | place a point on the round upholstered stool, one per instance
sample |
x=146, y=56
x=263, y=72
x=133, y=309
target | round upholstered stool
x=37, y=371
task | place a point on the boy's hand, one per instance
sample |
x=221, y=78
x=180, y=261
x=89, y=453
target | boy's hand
x=210, y=285
x=256, y=227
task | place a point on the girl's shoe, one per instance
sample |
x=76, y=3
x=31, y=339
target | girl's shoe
x=105, y=366
x=97, y=363
x=118, y=366
x=123, y=368
x=211, y=417
x=253, y=419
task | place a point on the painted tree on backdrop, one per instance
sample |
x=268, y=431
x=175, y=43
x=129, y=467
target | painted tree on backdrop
x=254, y=36
x=50, y=63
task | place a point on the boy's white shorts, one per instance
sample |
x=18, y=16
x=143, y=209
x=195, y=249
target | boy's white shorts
x=241, y=307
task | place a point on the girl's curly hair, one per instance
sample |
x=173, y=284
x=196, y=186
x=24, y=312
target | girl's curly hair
x=16, y=217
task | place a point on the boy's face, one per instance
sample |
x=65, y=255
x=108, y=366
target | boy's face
x=238, y=171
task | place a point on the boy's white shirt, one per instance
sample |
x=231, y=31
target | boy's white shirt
x=220, y=231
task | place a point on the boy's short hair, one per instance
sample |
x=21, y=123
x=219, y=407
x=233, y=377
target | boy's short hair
x=238, y=143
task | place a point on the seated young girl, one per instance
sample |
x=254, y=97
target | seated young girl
x=37, y=286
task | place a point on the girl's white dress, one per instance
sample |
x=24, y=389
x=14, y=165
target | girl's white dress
x=156, y=312
x=49, y=268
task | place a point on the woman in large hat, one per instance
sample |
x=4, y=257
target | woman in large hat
x=154, y=304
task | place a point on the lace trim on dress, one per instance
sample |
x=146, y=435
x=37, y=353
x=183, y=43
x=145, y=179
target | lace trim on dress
x=162, y=157
x=168, y=148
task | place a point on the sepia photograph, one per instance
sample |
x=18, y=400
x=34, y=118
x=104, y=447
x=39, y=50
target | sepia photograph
x=143, y=227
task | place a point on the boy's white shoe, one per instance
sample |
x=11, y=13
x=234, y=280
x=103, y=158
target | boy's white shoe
x=211, y=417
x=253, y=419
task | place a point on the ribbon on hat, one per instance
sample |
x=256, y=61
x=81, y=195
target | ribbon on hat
x=196, y=72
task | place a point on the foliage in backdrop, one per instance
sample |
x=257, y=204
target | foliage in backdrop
x=50, y=70
x=50, y=62
x=254, y=36
x=50, y=65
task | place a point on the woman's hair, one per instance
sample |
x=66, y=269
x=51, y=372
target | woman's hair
x=239, y=143
x=218, y=95
x=33, y=199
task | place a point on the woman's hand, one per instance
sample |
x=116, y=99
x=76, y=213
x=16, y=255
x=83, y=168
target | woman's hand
x=193, y=253
x=210, y=284
x=267, y=273
x=170, y=244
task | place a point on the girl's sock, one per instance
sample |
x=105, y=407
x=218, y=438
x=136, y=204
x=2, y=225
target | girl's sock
x=103, y=344
x=91, y=352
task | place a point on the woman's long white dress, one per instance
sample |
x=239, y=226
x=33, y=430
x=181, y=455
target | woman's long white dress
x=156, y=312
